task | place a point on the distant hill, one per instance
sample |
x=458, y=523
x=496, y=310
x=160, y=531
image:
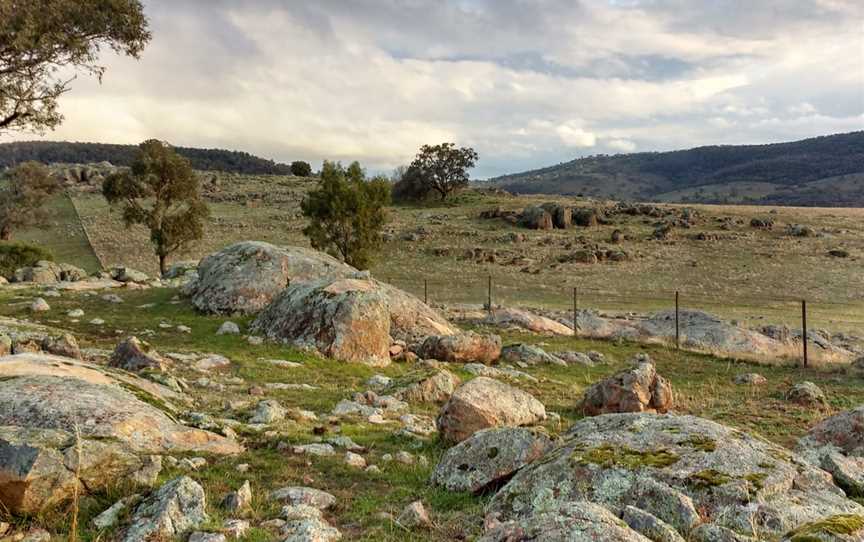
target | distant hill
x=821, y=171
x=51, y=152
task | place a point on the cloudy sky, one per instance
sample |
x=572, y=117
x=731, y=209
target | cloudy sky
x=527, y=83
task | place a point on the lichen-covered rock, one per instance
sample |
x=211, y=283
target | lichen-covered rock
x=176, y=508
x=482, y=403
x=245, y=277
x=529, y=355
x=806, y=393
x=683, y=470
x=836, y=444
x=346, y=319
x=639, y=389
x=577, y=521
x=462, y=348
x=489, y=457
x=413, y=516
x=45, y=272
x=307, y=496
x=436, y=387
x=135, y=355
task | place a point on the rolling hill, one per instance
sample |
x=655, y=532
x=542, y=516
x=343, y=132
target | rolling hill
x=64, y=152
x=823, y=171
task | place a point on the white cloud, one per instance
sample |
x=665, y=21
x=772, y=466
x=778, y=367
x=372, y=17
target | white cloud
x=373, y=80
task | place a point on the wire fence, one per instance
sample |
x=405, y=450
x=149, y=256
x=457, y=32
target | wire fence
x=800, y=315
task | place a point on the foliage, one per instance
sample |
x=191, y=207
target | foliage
x=22, y=197
x=409, y=185
x=162, y=193
x=40, y=39
x=787, y=166
x=443, y=168
x=346, y=213
x=14, y=256
x=301, y=169
x=49, y=152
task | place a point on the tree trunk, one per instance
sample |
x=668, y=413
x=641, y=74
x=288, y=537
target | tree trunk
x=5, y=233
x=162, y=260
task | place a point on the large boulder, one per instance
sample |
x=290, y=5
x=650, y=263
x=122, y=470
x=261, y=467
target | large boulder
x=462, y=348
x=489, y=457
x=638, y=389
x=176, y=508
x=410, y=318
x=346, y=319
x=696, y=476
x=245, y=277
x=536, y=218
x=482, y=403
x=528, y=354
x=45, y=400
x=561, y=215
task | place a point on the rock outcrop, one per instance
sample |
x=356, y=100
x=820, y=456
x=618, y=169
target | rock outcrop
x=639, y=389
x=521, y=319
x=46, y=272
x=482, y=403
x=45, y=400
x=245, y=277
x=696, y=476
x=836, y=444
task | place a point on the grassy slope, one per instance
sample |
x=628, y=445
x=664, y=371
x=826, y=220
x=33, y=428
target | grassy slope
x=703, y=385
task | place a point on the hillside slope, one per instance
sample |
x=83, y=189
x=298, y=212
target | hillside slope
x=821, y=171
x=50, y=152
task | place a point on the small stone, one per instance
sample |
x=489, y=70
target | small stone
x=272, y=524
x=379, y=382
x=404, y=457
x=268, y=411
x=97, y=322
x=373, y=469
x=236, y=528
x=806, y=393
x=109, y=517
x=243, y=467
x=212, y=362
x=228, y=328
x=752, y=379
x=414, y=515
x=316, y=449
x=254, y=340
x=239, y=500
x=112, y=298
x=75, y=313
x=199, y=536
x=295, y=495
x=40, y=305
x=355, y=460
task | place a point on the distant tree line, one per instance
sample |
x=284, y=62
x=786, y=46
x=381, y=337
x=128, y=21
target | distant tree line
x=48, y=152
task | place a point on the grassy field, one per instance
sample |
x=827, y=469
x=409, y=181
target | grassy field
x=756, y=277
x=703, y=385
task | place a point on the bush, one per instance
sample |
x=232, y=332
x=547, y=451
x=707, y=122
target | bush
x=14, y=256
x=301, y=169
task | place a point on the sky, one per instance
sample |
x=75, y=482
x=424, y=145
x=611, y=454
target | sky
x=526, y=83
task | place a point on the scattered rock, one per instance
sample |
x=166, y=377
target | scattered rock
x=527, y=321
x=462, y=348
x=228, y=328
x=75, y=313
x=482, y=403
x=428, y=388
x=199, y=536
x=639, y=389
x=536, y=218
x=111, y=516
x=308, y=496
x=267, y=412
x=753, y=379
x=355, y=460
x=176, y=508
x=136, y=355
x=239, y=500
x=529, y=355
x=40, y=305
x=212, y=362
x=64, y=345
x=806, y=393
x=489, y=457
x=413, y=516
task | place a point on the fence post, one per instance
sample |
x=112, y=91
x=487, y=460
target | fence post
x=804, y=328
x=575, y=312
x=425, y=291
x=489, y=295
x=677, y=325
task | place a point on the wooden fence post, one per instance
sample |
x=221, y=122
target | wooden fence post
x=575, y=312
x=677, y=324
x=425, y=291
x=489, y=295
x=804, y=328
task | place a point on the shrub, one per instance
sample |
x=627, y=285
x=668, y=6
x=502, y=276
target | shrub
x=14, y=256
x=301, y=169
